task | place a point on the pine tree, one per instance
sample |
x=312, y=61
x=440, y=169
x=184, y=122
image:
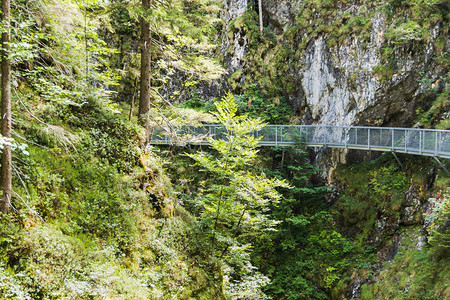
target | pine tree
x=6, y=123
x=146, y=67
x=177, y=38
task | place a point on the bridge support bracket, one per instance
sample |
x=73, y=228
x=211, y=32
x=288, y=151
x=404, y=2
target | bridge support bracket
x=398, y=160
x=441, y=164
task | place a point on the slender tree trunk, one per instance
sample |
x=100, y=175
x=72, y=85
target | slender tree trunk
x=146, y=60
x=86, y=46
x=6, y=122
x=132, y=99
x=260, y=17
x=235, y=230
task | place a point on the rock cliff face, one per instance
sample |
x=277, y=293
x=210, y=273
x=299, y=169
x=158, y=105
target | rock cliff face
x=237, y=48
x=340, y=84
x=281, y=13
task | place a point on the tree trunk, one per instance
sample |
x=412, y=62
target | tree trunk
x=260, y=17
x=6, y=122
x=132, y=99
x=146, y=59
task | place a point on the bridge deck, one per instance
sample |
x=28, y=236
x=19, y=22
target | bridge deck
x=426, y=142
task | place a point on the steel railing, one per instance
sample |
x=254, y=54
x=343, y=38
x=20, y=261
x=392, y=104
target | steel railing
x=428, y=142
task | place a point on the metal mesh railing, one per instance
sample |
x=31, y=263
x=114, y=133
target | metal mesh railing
x=427, y=142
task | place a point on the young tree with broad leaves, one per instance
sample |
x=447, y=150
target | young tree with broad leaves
x=236, y=206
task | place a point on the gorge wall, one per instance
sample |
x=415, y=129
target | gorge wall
x=349, y=62
x=375, y=63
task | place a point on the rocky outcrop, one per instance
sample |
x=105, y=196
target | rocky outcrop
x=281, y=14
x=412, y=207
x=235, y=49
x=339, y=84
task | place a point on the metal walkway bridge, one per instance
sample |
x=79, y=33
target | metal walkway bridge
x=427, y=142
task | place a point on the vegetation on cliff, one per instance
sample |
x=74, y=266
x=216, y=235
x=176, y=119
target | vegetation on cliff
x=96, y=213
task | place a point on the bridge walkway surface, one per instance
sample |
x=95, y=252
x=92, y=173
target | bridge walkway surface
x=425, y=142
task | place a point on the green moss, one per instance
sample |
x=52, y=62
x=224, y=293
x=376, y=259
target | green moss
x=367, y=292
x=235, y=78
x=437, y=115
x=439, y=44
x=239, y=22
x=413, y=274
x=380, y=184
x=385, y=72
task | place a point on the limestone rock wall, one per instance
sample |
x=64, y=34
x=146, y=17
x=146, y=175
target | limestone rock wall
x=339, y=85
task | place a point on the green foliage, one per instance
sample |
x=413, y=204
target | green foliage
x=320, y=257
x=99, y=210
x=440, y=225
x=256, y=106
x=437, y=115
x=50, y=264
x=45, y=262
x=375, y=191
x=235, y=205
x=375, y=187
x=405, y=33
x=10, y=287
x=412, y=274
x=269, y=61
x=86, y=197
x=308, y=255
x=387, y=184
x=106, y=134
x=410, y=24
x=83, y=229
x=182, y=40
x=55, y=54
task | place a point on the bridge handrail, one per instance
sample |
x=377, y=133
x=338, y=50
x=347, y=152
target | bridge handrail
x=332, y=126
x=429, y=142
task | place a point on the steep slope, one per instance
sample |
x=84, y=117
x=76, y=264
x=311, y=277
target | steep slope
x=93, y=213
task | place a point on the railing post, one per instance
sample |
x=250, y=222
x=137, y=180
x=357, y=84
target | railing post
x=276, y=135
x=435, y=142
x=356, y=136
x=406, y=151
x=345, y=136
x=368, y=138
x=281, y=134
x=392, y=139
x=380, y=140
x=420, y=142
